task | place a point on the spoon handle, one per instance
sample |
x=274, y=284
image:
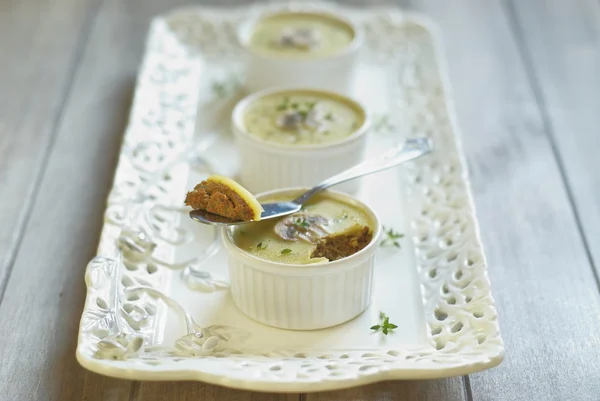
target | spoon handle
x=409, y=150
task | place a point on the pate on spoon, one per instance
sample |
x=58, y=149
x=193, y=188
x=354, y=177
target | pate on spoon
x=237, y=206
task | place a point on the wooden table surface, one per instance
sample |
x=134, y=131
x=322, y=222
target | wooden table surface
x=526, y=80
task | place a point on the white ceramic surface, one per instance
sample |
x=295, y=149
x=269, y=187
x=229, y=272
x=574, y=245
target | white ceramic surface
x=269, y=166
x=157, y=304
x=335, y=72
x=303, y=297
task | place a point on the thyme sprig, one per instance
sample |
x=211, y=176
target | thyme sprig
x=302, y=109
x=392, y=237
x=227, y=86
x=382, y=124
x=284, y=104
x=385, y=325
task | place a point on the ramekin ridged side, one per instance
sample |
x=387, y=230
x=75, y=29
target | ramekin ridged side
x=303, y=297
x=300, y=303
x=264, y=168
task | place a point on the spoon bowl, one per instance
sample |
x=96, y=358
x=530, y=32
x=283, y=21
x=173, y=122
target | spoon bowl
x=411, y=149
x=270, y=211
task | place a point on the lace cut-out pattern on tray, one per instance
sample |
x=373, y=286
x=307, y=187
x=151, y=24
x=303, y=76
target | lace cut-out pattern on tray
x=125, y=282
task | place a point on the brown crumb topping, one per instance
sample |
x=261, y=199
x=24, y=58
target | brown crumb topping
x=341, y=245
x=219, y=199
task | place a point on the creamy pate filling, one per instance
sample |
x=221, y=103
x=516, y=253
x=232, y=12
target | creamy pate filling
x=326, y=229
x=300, y=35
x=302, y=117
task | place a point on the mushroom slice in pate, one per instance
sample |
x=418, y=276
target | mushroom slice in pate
x=305, y=226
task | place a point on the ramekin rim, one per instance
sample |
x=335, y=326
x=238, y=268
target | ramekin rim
x=240, y=130
x=323, y=267
x=353, y=46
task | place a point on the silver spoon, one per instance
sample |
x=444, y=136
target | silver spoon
x=409, y=150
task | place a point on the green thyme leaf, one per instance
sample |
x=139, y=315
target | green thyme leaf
x=392, y=237
x=385, y=325
x=261, y=246
x=219, y=89
x=284, y=105
x=227, y=86
x=286, y=251
x=382, y=124
x=301, y=223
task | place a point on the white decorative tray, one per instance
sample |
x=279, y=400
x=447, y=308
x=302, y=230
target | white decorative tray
x=158, y=306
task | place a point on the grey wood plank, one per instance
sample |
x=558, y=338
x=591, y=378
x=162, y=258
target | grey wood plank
x=560, y=42
x=542, y=279
x=41, y=43
x=45, y=293
x=102, y=388
x=434, y=390
x=193, y=391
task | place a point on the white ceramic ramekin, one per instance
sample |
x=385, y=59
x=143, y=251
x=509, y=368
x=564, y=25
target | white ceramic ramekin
x=333, y=72
x=303, y=297
x=265, y=166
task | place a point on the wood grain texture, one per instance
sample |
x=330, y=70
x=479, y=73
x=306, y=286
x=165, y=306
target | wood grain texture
x=42, y=304
x=43, y=300
x=548, y=302
x=427, y=390
x=193, y=391
x=39, y=47
x=102, y=388
x=560, y=43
